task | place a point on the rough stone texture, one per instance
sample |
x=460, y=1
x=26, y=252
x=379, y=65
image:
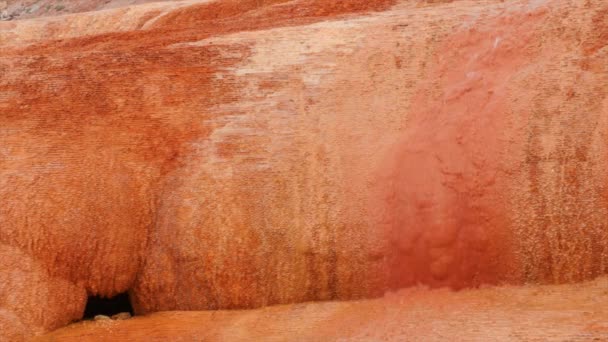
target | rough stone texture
x=577, y=313
x=510, y=129
x=26, y=9
x=236, y=154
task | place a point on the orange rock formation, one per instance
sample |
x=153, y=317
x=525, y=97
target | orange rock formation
x=237, y=154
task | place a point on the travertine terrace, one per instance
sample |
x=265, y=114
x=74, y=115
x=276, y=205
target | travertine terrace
x=223, y=154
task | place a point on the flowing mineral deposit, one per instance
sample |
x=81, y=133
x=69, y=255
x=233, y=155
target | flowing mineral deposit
x=304, y=170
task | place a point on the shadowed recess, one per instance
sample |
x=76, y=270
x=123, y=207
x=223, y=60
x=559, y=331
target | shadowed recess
x=107, y=306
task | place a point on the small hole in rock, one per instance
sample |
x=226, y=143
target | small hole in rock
x=107, y=306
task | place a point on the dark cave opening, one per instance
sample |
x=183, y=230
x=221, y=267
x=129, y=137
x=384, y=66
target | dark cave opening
x=97, y=305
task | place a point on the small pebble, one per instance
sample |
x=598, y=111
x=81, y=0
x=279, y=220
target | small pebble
x=121, y=316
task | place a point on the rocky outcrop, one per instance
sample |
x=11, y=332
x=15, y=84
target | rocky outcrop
x=238, y=154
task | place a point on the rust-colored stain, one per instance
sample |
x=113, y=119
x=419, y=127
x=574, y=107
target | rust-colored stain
x=445, y=181
x=239, y=154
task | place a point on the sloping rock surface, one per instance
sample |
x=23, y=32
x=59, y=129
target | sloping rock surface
x=576, y=312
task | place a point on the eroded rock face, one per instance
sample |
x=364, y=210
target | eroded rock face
x=236, y=154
